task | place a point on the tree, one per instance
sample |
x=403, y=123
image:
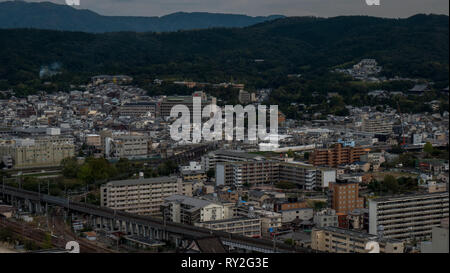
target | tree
x=318, y=205
x=390, y=184
x=290, y=153
x=428, y=148
x=306, y=155
x=211, y=173
x=70, y=167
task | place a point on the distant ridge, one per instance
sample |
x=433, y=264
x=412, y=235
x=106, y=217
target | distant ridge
x=46, y=15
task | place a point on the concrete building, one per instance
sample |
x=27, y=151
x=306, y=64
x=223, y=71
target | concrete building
x=250, y=227
x=336, y=155
x=188, y=210
x=439, y=239
x=39, y=152
x=303, y=214
x=210, y=160
x=326, y=218
x=377, y=124
x=338, y=240
x=407, y=217
x=344, y=196
x=142, y=196
x=247, y=172
x=269, y=221
x=260, y=171
x=306, y=176
x=93, y=140
x=138, y=109
x=168, y=103
x=127, y=146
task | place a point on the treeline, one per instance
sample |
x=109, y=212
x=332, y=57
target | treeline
x=99, y=170
x=413, y=47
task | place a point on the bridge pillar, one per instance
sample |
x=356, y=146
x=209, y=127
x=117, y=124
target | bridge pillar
x=127, y=228
x=111, y=224
x=145, y=231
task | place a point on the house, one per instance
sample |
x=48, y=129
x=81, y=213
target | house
x=206, y=245
x=90, y=235
x=419, y=89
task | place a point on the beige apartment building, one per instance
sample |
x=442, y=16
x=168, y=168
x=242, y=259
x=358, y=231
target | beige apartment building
x=142, y=196
x=339, y=240
x=36, y=153
x=377, y=124
x=127, y=146
x=138, y=109
x=189, y=210
x=407, y=217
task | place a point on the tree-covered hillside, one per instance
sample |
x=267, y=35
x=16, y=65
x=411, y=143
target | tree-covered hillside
x=414, y=47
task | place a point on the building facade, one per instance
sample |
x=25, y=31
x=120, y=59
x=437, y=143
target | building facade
x=142, y=196
x=409, y=217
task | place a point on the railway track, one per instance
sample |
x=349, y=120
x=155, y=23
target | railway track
x=39, y=236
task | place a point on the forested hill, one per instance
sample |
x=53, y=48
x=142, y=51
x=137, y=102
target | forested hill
x=46, y=15
x=415, y=47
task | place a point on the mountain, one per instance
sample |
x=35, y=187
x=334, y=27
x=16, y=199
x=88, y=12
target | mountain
x=413, y=47
x=46, y=15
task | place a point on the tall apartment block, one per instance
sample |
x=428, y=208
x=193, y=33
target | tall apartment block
x=377, y=124
x=344, y=196
x=407, y=217
x=337, y=155
x=142, y=196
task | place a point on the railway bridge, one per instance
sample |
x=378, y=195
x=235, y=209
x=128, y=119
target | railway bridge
x=143, y=226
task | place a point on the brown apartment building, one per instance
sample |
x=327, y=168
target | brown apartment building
x=337, y=155
x=344, y=196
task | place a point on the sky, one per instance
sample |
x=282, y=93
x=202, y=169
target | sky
x=320, y=8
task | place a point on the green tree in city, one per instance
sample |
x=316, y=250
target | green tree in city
x=428, y=148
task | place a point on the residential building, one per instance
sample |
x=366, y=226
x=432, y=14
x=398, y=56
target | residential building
x=344, y=196
x=138, y=109
x=37, y=152
x=250, y=227
x=141, y=196
x=336, y=155
x=189, y=210
x=326, y=218
x=407, y=217
x=338, y=240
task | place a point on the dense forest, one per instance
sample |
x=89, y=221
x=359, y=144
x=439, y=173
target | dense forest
x=415, y=47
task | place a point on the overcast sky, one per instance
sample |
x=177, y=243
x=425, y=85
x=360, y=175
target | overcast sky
x=322, y=8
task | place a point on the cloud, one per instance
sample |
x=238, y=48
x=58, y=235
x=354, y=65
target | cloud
x=322, y=8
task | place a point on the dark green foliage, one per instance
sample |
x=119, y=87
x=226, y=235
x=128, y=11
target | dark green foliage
x=414, y=47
